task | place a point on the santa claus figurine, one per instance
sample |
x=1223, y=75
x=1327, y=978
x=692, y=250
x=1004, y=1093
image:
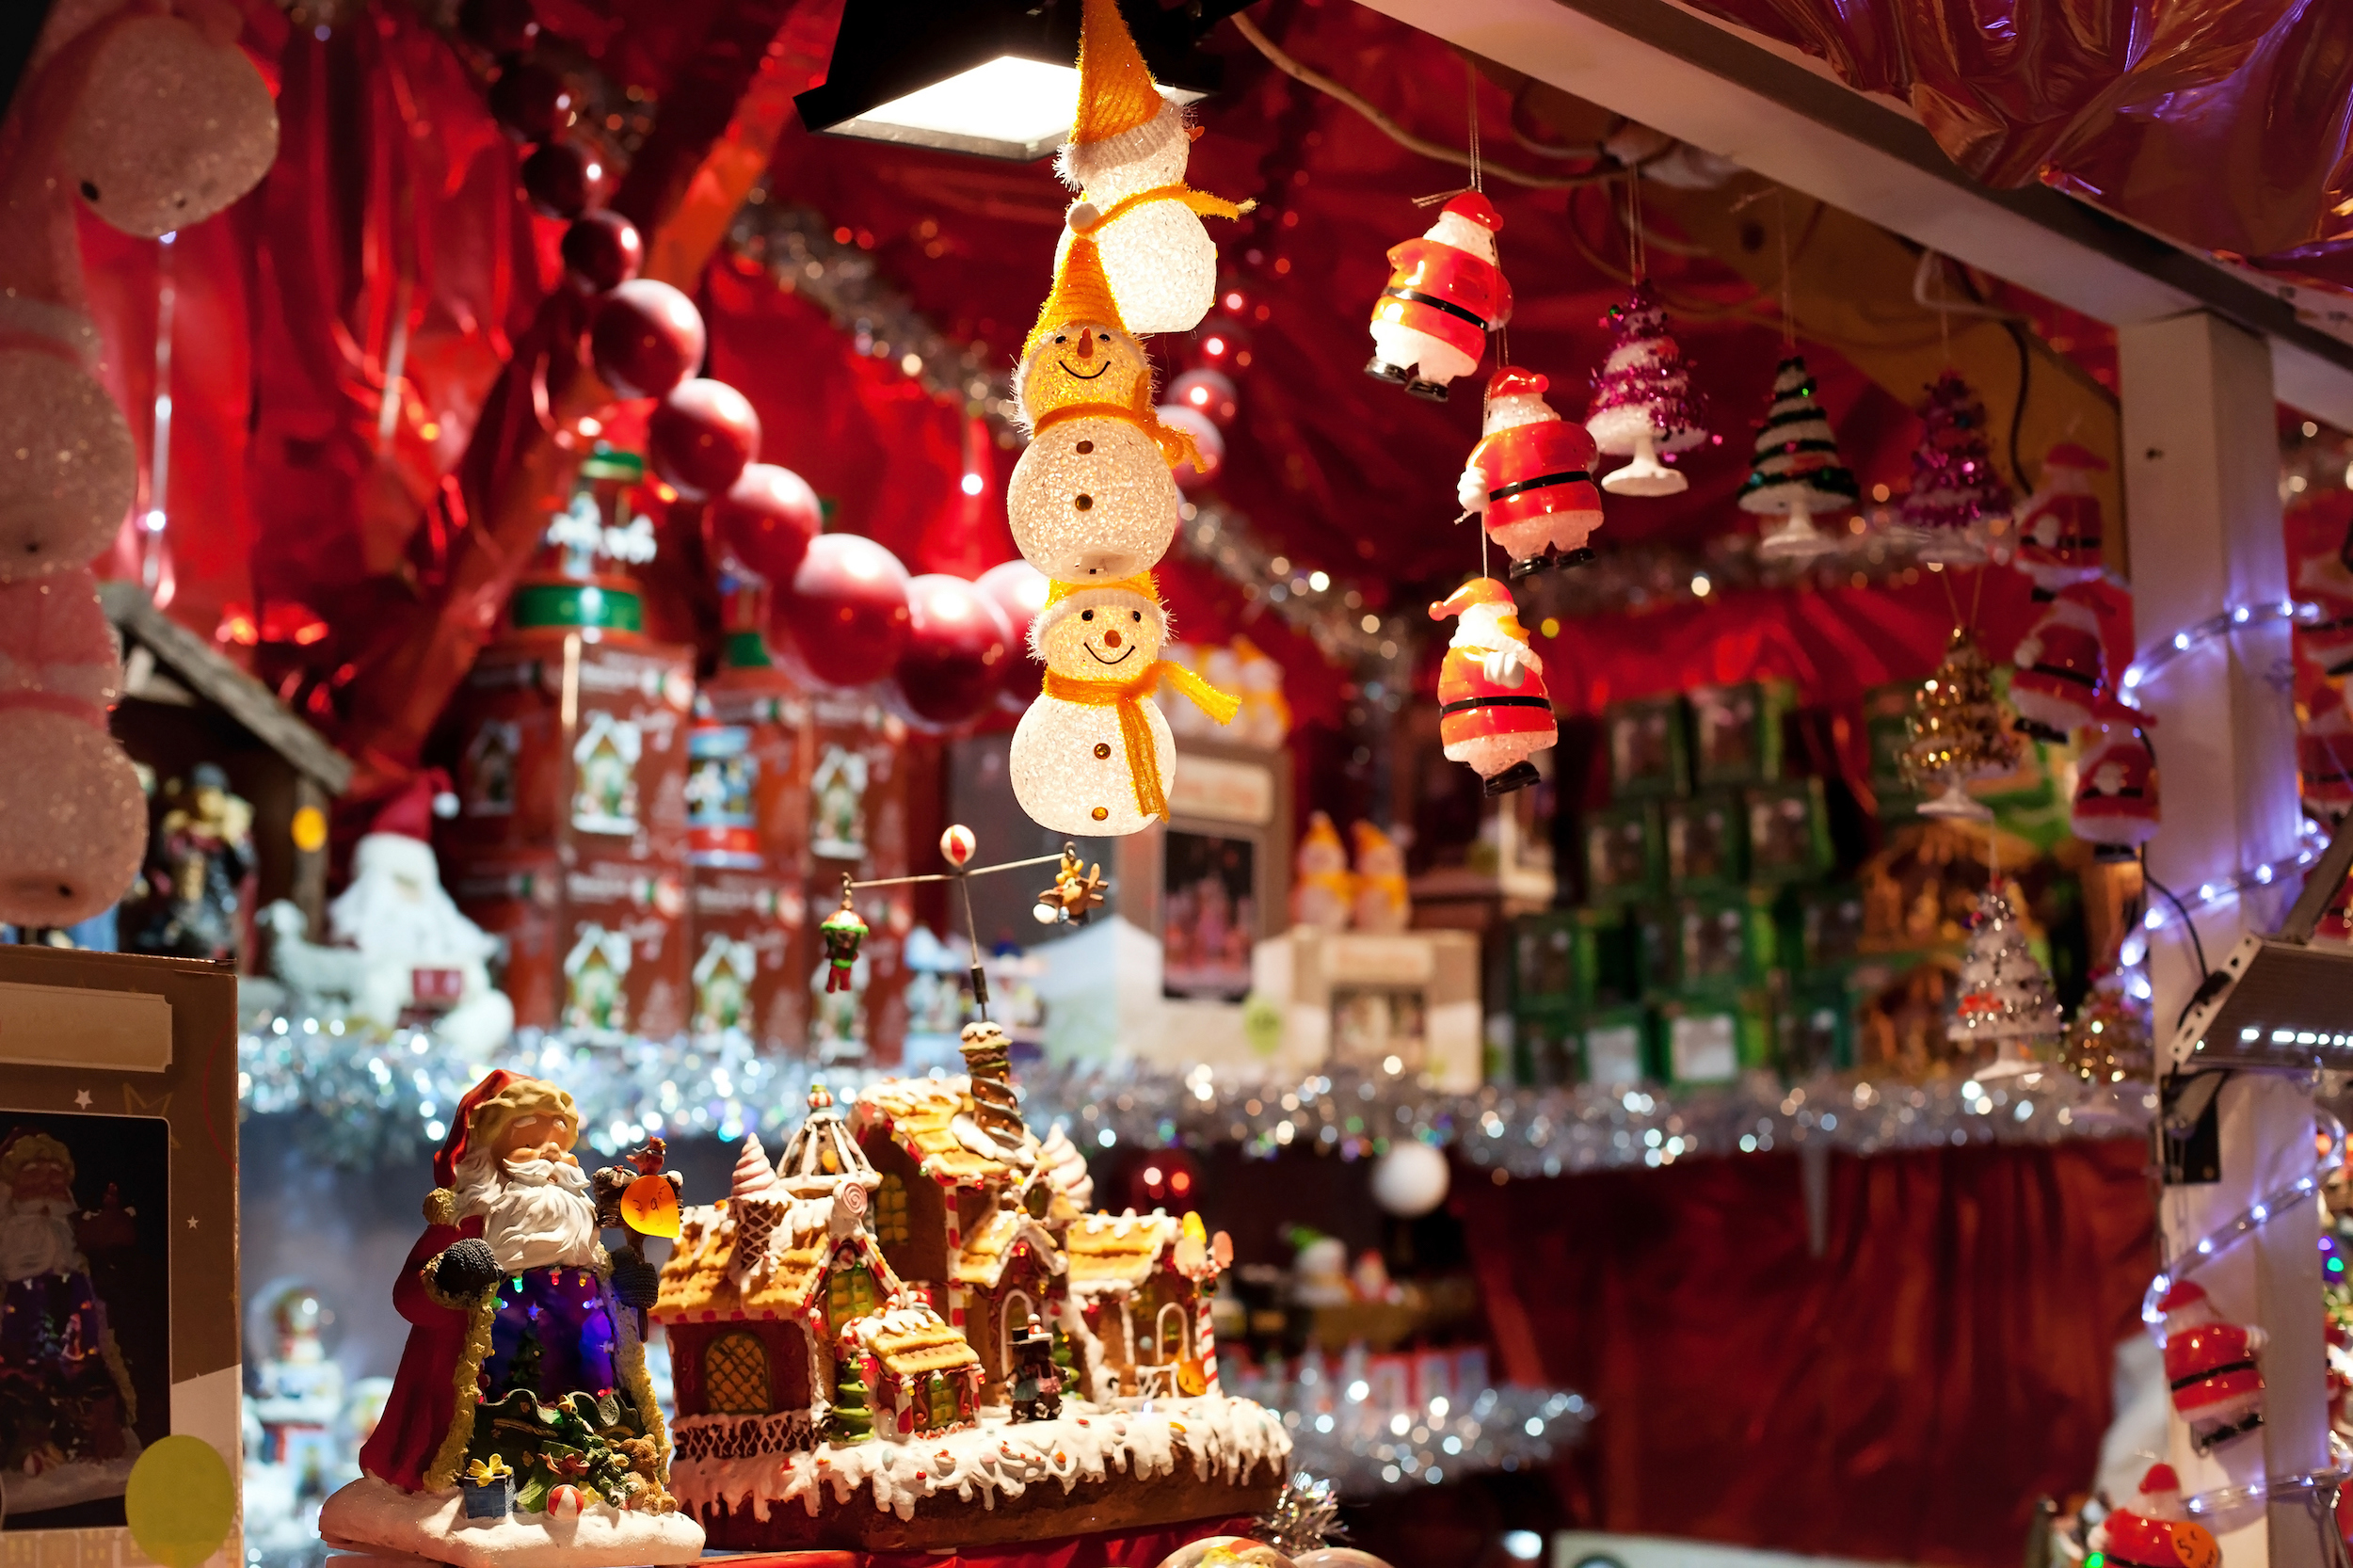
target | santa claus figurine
x=2116, y=783
x=2217, y=1389
x=2327, y=639
x=2058, y=526
x=1494, y=712
x=1446, y=294
x=1531, y=478
x=2062, y=671
x=2156, y=1531
x=516, y=1311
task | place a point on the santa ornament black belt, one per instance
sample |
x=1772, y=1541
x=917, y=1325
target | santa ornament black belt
x=1417, y=297
x=1571, y=476
x=1470, y=704
x=2224, y=1370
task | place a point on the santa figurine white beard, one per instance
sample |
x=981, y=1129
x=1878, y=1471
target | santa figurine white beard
x=397, y=913
x=1431, y=359
x=37, y=1238
x=536, y=1213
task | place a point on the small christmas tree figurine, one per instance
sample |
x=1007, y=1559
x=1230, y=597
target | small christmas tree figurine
x=2005, y=995
x=1644, y=406
x=2108, y=1040
x=1955, y=488
x=1794, y=471
x=1958, y=732
x=853, y=1419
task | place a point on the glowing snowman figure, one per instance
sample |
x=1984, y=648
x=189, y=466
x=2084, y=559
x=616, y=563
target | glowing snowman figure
x=1091, y=498
x=1093, y=754
x=1126, y=153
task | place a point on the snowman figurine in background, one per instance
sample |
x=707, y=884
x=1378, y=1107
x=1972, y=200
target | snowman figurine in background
x=1531, y=478
x=1446, y=294
x=1093, y=754
x=1127, y=156
x=1091, y=498
x=1494, y=712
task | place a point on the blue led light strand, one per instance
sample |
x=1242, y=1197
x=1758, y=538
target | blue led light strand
x=2212, y=627
x=2241, y=1226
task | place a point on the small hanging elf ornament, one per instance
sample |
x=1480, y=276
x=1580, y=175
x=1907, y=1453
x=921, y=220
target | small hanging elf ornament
x=2059, y=525
x=1446, y=294
x=1644, y=406
x=2108, y=1039
x=2116, y=783
x=1093, y=754
x=2062, y=670
x=1955, y=488
x=1958, y=732
x=2156, y=1531
x=1794, y=470
x=2005, y=994
x=1127, y=156
x=2218, y=1386
x=1531, y=478
x=842, y=932
x=1494, y=712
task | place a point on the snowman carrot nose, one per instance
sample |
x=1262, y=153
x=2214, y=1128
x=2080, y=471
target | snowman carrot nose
x=1111, y=638
x=1086, y=345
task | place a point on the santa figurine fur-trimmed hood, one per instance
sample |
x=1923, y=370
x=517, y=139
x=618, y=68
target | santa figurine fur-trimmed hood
x=1494, y=712
x=1530, y=476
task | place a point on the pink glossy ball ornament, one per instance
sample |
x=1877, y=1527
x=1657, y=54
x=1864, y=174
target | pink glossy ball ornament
x=701, y=436
x=845, y=620
x=531, y=102
x=1208, y=393
x=647, y=338
x=562, y=179
x=957, y=645
x=602, y=250
x=1019, y=589
x=766, y=522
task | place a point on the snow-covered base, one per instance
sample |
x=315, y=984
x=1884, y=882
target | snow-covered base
x=1224, y=1439
x=373, y=1514
x=62, y=1485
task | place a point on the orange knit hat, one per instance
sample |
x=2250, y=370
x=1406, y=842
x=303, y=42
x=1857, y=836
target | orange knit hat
x=1115, y=90
x=1081, y=292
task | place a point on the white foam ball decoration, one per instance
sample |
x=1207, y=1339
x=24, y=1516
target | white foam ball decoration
x=1161, y=263
x=1091, y=501
x=169, y=129
x=68, y=470
x=1069, y=767
x=72, y=819
x=1411, y=1179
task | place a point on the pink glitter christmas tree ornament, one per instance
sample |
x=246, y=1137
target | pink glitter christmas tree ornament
x=1956, y=486
x=1644, y=406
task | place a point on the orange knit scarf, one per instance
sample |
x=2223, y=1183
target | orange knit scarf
x=1135, y=731
x=1176, y=445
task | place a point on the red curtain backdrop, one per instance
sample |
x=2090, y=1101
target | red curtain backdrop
x=1904, y=1398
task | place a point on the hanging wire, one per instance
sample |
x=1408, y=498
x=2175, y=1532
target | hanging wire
x=1788, y=294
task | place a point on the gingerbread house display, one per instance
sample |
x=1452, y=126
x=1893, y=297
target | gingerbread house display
x=845, y=1323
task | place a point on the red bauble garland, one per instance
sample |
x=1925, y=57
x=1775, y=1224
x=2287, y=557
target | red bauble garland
x=845, y=619
x=646, y=339
x=602, y=250
x=765, y=520
x=562, y=179
x=958, y=643
x=1019, y=589
x=701, y=436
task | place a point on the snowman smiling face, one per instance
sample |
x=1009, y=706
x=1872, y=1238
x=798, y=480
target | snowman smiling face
x=1112, y=636
x=1084, y=361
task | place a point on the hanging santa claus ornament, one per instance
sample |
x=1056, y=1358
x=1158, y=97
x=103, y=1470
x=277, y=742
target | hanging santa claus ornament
x=1531, y=478
x=1091, y=498
x=2062, y=670
x=2324, y=753
x=2059, y=525
x=2156, y=1531
x=2210, y=1364
x=1794, y=470
x=1093, y=754
x=1494, y=712
x=1644, y=406
x=1127, y=156
x=2115, y=782
x=1446, y=294
x=2327, y=639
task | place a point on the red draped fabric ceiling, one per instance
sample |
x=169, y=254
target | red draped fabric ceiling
x=1904, y=1398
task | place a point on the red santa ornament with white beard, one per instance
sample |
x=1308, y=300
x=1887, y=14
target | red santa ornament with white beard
x=2155, y=1530
x=2210, y=1364
x=2062, y=670
x=1446, y=294
x=1494, y=712
x=2059, y=525
x=1531, y=478
x=2116, y=783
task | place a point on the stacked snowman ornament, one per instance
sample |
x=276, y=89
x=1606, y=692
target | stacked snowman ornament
x=1092, y=501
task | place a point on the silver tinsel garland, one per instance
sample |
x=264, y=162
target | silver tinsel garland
x=1367, y=1448
x=373, y=1097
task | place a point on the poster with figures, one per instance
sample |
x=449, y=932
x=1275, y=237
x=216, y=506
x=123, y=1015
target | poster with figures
x=485, y=772
x=724, y=975
x=596, y=980
x=838, y=804
x=604, y=775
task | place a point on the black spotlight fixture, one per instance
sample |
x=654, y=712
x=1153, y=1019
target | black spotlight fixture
x=994, y=78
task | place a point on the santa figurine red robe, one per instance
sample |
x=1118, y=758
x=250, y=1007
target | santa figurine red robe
x=2209, y=1365
x=1494, y=712
x=2062, y=670
x=1530, y=476
x=2059, y=525
x=512, y=1298
x=2116, y=783
x=2155, y=1530
x=1446, y=294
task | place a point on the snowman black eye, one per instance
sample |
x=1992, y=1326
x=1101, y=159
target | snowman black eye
x=1135, y=615
x=1062, y=337
x=1086, y=614
x=1105, y=337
